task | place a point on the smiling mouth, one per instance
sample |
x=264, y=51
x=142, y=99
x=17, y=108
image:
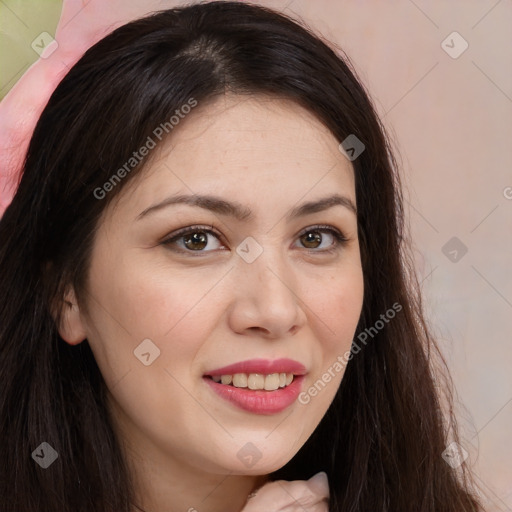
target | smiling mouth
x=255, y=381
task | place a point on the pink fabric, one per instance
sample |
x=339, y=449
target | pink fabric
x=82, y=23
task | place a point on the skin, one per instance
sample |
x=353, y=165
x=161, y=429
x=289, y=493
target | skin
x=295, y=300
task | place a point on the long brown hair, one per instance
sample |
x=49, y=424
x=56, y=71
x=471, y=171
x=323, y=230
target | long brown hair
x=382, y=439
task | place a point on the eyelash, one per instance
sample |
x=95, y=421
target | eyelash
x=339, y=237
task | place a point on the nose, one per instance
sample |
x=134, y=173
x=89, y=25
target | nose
x=266, y=299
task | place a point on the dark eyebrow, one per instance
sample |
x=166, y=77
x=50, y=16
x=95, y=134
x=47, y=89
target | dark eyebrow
x=242, y=213
x=322, y=204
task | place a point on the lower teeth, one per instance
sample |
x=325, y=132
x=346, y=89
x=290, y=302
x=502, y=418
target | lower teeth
x=247, y=387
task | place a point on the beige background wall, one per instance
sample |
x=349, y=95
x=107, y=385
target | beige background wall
x=451, y=118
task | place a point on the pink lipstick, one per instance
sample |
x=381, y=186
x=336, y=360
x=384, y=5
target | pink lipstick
x=280, y=378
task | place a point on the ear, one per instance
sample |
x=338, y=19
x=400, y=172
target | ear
x=72, y=328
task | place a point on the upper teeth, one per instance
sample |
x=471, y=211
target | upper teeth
x=256, y=380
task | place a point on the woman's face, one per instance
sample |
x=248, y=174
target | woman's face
x=256, y=278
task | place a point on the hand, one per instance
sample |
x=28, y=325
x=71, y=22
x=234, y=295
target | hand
x=282, y=496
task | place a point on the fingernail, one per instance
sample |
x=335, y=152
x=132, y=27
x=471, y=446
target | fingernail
x=319, y=483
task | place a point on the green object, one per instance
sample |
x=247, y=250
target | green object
x=22, y=22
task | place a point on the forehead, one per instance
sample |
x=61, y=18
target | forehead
x=250, y=148
x=234, y=128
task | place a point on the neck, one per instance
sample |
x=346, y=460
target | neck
x=163, y=492
x=168, y=482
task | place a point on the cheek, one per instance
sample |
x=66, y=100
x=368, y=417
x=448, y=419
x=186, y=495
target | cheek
x=165, y=307
x=338, y=306
x=334, y=305
x=150, y=301
x=174, y=309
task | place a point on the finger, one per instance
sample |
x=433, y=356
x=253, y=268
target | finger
x=284, y=496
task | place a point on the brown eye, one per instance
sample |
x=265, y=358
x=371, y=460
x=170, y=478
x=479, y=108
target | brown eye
x=198, y=240
x=311, y=239
x=193, y=239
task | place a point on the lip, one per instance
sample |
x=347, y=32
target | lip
x=264, y=366
x=258, y=401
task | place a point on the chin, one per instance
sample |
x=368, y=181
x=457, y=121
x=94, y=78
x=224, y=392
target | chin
x=267, y=461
